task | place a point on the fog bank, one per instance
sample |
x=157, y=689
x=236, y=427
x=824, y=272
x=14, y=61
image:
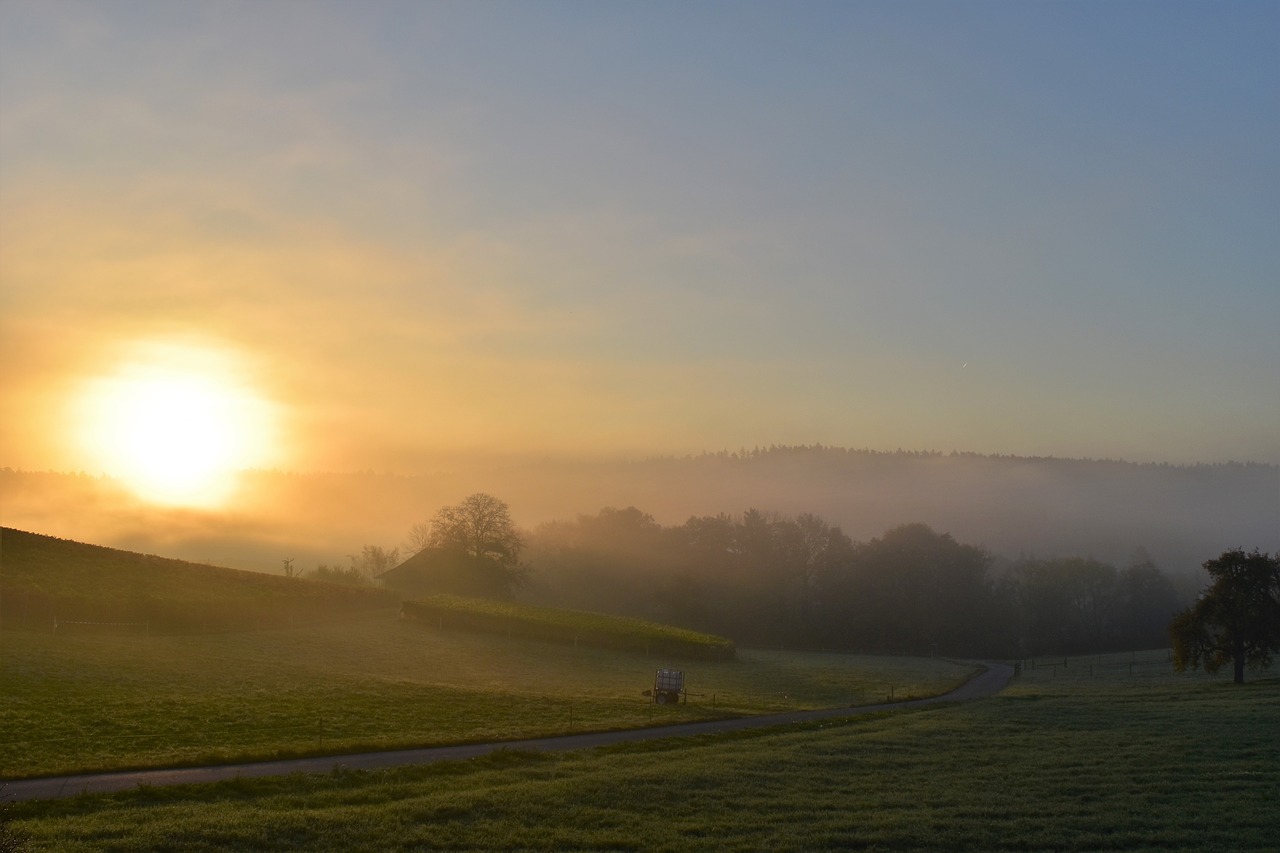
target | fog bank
x=1012, y=506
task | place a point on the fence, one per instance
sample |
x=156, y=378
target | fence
x=75, y=623
x=1150, y=664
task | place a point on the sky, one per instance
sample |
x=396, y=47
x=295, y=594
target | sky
x=384, y=231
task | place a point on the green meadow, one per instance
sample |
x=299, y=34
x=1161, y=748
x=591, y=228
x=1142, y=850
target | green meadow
x=1091, y=753
x=1116, y=758
x=99, y=701
x=349, y=678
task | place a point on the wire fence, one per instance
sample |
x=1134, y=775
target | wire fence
x=74, y=624
x=1147, y=665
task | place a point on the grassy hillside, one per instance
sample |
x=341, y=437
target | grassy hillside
x=76, y=702
x=567, y=626
x=99, y=697
x=1065, y=760
x=43, y=579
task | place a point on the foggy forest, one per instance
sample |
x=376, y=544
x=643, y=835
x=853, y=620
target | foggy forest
x=815, y=547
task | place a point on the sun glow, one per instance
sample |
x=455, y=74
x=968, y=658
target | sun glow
x=176, y=423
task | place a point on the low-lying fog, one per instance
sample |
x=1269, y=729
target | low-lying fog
x=1179, y=515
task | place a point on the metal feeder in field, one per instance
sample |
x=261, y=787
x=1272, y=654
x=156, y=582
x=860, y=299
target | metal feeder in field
x=668, y=687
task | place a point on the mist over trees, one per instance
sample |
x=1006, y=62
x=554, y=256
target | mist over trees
x=364, y=570
x=1012, y=506
x=1077, y=605
x=765, y=578
x=1075, y=555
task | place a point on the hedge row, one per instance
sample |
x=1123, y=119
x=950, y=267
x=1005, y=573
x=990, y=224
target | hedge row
x=566, y=626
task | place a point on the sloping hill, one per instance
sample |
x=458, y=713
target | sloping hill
x=45, y=580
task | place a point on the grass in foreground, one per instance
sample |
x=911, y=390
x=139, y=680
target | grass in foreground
x=1142, y=763
x=80, y=702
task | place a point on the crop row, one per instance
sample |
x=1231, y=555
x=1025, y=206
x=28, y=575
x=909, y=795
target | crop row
x=566, y=626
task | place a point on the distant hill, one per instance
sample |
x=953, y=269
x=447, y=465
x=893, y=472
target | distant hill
x=1179, y=515
x=45, y=581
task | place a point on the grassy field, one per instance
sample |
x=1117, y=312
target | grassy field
x=1063, y=760
x=99, y=697
x=1092, y=753
x=96, y=701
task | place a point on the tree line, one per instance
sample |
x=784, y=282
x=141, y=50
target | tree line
x=769, y=579
x=765, y=578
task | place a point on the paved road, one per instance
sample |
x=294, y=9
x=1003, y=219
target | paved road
x=992, y=680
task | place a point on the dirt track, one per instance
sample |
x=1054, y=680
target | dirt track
x=987, y=683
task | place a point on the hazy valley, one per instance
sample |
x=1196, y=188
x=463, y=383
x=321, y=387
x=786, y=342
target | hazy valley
x=1011, y=506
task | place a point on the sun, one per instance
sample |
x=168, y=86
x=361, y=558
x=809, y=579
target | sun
x=176, y=423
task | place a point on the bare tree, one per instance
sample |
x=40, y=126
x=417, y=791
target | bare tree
x=480, y=527
x=419, y=538
x=373, y=560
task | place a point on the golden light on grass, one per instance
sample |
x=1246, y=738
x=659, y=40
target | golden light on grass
x=176, y=422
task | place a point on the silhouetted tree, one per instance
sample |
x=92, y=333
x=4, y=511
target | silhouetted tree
x=1092, y=590
x=469, y=548
x=373, y=560
x=919, y=592
x=1237, y=618
x=419, y=538
x=479, y=527
x=610, y=561
x=808, y=550
x=1148, y=599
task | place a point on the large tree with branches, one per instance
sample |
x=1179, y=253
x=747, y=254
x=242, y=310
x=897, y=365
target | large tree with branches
x=1236, y=620
x=479, y=527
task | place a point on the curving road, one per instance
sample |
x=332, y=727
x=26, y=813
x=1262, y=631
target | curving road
x=988, y=682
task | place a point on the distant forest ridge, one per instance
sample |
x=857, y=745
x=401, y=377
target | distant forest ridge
x=835, y=452
x=1013, y=506
x=817, y=452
